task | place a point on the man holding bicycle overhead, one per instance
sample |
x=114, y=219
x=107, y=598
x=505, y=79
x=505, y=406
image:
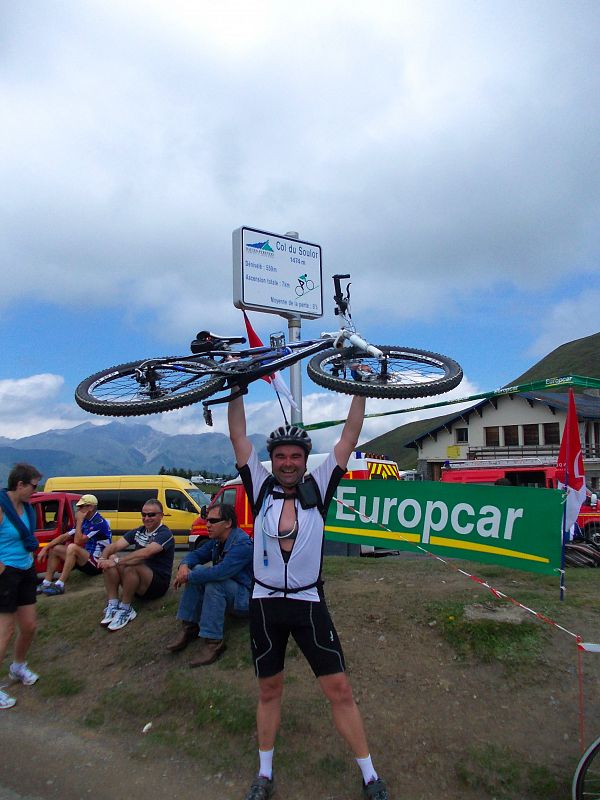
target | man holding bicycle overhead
x=288, y=595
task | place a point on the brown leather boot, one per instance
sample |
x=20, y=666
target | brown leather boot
x=211, y=650
x=189, y=632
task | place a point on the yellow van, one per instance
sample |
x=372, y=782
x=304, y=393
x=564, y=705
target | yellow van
x=121, y=497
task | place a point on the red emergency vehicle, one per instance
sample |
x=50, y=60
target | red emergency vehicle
x=523, y=472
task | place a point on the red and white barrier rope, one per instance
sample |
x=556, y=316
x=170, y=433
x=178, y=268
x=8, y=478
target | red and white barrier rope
x=589, y=647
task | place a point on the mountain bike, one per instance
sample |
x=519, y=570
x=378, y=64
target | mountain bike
x=586, y=781
x=341, y=361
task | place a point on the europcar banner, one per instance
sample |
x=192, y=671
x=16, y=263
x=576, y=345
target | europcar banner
x=517, y=527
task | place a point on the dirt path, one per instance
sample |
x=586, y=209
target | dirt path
x=41, y=762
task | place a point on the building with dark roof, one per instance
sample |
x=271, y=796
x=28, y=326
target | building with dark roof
x=512, y=426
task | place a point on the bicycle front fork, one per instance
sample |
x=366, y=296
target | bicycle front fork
x=207, y=412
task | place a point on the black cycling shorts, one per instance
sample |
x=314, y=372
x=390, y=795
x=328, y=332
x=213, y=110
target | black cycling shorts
x=17, y=588
x=272, y=620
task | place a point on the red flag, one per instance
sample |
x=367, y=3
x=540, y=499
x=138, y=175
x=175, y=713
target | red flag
x=569, y=467
x=275, y=378
x=253, y=339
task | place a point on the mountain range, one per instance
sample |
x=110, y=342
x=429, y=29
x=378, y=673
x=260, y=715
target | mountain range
x=120, y=449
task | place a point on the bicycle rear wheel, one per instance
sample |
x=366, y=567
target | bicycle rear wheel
x=135, y=388
x=402, y=372
x=586, y=781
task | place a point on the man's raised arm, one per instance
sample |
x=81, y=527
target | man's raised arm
x=350, y=432
x=236, y=417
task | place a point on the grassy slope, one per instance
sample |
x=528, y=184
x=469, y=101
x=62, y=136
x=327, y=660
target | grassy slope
x=579, y=357
x=454, y=708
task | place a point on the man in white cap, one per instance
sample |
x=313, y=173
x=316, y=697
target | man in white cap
x=79, y=548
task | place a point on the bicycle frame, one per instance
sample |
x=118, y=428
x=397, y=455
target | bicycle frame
x=340, y=361
x=259, y=360
x=265, y=360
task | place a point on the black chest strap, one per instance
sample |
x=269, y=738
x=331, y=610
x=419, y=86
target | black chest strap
x=307, y=493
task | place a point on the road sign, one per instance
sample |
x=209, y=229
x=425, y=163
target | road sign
x=277, y=274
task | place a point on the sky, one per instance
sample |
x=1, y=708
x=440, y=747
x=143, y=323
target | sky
x=443, y=153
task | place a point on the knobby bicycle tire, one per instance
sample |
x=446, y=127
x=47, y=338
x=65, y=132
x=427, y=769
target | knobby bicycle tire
x=586, y=780
x=403, y=373
x=117, y=392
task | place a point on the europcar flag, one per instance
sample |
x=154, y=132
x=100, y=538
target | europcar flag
x=275, y=378
x=569, y=467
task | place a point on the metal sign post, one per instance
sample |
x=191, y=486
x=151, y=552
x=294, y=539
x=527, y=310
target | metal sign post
x=279, y=275
x=294, y=335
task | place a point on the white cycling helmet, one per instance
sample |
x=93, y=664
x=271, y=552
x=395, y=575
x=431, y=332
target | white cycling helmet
x=289, y=434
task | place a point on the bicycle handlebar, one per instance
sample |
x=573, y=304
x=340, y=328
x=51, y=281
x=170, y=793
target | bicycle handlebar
x=342, y=301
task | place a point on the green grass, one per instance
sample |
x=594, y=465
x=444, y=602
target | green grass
x=67, y=618
x=136, y=703
x=232, y=710
x=59, y=683
x=487, y=640
x=95, y=717
x=503, y=775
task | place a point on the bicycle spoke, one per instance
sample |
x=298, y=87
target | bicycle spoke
x=147, y=387
x=130, y=388
x=393, y=370
x=401, y=372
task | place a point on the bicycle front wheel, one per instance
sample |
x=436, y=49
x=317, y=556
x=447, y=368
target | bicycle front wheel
x=586, y=781
x=148, y=387
x=402, y=372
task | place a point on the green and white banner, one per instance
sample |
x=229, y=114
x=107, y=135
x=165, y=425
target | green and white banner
x=517, y=527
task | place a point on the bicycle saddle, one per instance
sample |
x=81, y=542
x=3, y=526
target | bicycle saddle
x=205, y=341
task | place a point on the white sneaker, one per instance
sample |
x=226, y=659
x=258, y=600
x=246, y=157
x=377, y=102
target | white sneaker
x=6, y=701
x=109, y=614
x=22, y=673
x=122, y=618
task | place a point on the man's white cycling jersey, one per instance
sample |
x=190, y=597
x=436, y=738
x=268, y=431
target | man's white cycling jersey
x=303, y=568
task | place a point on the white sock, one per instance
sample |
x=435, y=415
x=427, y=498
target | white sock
x=367, y=769
x=46, y=582
x=266, y=763
x=126, y=606
x=59, y=583
x=113, y=603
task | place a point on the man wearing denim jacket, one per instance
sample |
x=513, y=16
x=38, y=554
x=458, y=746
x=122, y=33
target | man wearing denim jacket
x=212, y=590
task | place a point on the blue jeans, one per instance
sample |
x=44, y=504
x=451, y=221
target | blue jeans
x=207, y=604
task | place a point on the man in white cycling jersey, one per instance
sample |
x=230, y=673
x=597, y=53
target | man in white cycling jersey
x=288, y=598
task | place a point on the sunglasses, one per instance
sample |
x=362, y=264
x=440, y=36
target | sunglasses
x=150, y=513
x=34, y=486
x=213, y=520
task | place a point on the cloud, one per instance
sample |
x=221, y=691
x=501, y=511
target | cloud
x=31, y=405
x=433, y=149
x=572, y=318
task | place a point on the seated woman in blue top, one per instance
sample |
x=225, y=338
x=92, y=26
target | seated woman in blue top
x=18, y=580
